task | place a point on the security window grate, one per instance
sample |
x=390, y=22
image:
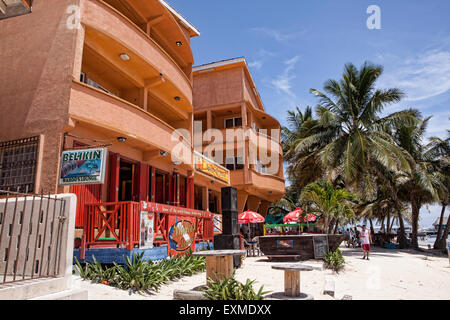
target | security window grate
x=18, y=160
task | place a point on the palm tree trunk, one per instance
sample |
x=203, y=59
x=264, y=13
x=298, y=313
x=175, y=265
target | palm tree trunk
x=330, y=226
x=388, y=223
x=372, y=230
x=382, y=225
x=441, y=222
x=392, y=224
x=442, y=244
x=336, y=226
x=402, y=235
x=415, y=207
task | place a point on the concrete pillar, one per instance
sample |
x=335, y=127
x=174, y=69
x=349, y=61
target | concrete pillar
x=253, y=203
x=241, y=200
x=264, y=207
x=244, y=115
x=205, y=198
x=79, y=46
x=143, y=98
x=208, y=119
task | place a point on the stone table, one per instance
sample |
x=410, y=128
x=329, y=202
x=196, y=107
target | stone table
x=219, y=263
x=292, y=277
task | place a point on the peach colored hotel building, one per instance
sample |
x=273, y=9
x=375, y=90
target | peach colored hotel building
x=119, y=73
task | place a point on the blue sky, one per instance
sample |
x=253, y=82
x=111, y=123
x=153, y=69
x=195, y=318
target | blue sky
x=294, y=45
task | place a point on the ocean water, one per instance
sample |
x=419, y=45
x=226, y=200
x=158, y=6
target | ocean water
x=428, y=240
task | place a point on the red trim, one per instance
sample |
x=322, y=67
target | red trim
x=153, y=184
x=143, y=181
x=114, y=177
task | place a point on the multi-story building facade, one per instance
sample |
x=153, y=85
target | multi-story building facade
x=228, y=104
x=117, y=74
x=85, y=73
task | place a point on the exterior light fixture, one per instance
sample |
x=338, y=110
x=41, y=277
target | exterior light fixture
x=124, y=57
x=177, y=98
x=121, y=139
x=163, y=153
x=176, y=162
x=179, y=43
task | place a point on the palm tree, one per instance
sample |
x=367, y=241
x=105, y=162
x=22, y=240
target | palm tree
x=424, y=183
x=350, y=135
x=332, y=204
x=439, y=149
x=304, y=166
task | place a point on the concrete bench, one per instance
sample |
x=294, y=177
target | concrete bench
x=292, y=277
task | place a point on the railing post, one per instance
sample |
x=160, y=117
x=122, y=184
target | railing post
x=83, y=236
x=129, y=226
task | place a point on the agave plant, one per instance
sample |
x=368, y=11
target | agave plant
x=228, y=288
x=139, y=275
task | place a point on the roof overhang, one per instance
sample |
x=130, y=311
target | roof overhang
x=13, y=8
x=192, y=30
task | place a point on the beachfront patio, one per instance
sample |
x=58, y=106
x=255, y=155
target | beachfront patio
x=390, y=274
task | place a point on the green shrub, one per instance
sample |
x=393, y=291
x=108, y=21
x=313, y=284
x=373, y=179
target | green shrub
x=334, y=260
x=231, y=289
x=139, y=275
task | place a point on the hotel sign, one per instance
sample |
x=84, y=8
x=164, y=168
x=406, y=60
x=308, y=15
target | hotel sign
x=207, y=166
x=85, y=166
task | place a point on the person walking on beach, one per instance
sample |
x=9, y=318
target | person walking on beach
x=366, y=240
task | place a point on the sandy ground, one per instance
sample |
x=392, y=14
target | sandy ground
x=388, y=275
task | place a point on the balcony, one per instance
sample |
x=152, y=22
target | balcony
x=110, y=33
x=13, y=8
x=112, y=117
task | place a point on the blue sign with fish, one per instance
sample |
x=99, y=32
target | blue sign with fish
x=85, y=166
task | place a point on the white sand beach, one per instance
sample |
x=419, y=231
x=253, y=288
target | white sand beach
x=388, y=275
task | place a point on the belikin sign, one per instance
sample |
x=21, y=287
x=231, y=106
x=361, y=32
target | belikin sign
x=85, y=166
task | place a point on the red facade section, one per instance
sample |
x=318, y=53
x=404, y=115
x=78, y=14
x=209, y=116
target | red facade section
x=85, y=194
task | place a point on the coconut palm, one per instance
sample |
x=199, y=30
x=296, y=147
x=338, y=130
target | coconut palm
x=303, y=165
x=350, y=134
x=439, y=149
x=424, y=184
x=333, y=204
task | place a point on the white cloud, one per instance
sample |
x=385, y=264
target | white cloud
x=280, y=36
x=421, y=77
x=283, y=83
x=257, y=64
x=439, y=124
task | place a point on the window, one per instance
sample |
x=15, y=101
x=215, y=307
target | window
x=236, y=163
x=233, y=122
x=18, y=161
x=261, y=168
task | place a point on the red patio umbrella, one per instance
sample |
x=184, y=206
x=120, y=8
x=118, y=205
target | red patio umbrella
x=293, y=216
x=250, y=217
x=310, y=218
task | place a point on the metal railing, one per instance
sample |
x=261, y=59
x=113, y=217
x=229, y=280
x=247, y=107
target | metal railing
x=30, y=236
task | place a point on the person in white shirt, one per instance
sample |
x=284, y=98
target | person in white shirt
x=366, y=240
